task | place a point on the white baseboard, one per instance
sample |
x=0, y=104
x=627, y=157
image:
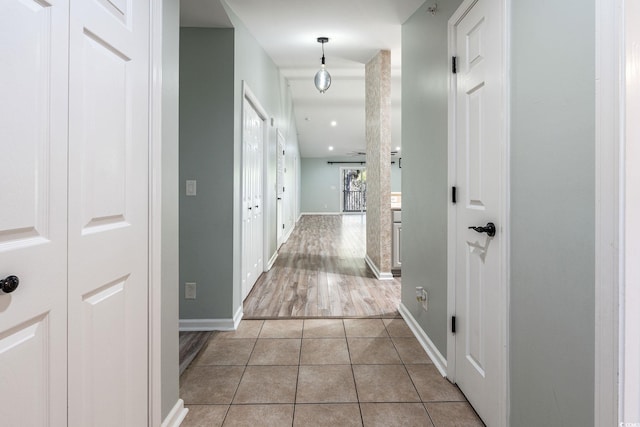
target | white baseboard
x=212, y=324
x=237, y=317
x=176, y=416
x=438, y=359
x=379, y=275
x=288, y=234
x=299, y=216
x=272, y=261
x=321, y=213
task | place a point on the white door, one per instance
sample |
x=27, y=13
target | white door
x=252, y=190
x=108, y=212
x=478, y=256
x=33, y=214
x=280, y=187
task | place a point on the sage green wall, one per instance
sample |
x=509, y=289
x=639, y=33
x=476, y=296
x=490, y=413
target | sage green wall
x=206, y=155
x=552, y=199
x=320, y=183
x=214, y=64
x=256, y=69
x=425, y=77
x=552, y=213
x=169, y=199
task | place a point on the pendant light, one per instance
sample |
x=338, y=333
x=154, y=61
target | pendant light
x=323, y=78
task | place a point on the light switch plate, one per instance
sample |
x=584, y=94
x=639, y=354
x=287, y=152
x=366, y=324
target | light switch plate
x=190, y=290
x=191, y=187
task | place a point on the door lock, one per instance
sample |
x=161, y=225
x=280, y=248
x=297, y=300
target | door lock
x=490, y=229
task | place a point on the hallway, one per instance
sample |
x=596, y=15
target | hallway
x=358, y=365
x=321, y=272
x=320, y=372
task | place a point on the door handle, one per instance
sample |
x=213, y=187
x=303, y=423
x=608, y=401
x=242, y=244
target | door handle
x=490, y=229
x=9, y=284
x=257, y=206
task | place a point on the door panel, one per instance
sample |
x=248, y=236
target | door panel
x=108, y=212
x=252, y=203
x=478, y=256
x=33, y=146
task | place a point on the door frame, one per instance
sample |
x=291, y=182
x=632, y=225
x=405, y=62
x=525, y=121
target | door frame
x=503, y=13
x=617, y=351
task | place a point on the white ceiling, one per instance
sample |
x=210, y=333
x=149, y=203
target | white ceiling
x=288, y=29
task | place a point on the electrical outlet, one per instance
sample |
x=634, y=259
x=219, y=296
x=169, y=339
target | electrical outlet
x=421, y=296
x=190, y=290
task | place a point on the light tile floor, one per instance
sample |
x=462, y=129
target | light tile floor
x=320, y=372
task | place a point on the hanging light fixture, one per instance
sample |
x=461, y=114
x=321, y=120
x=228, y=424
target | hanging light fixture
x=323, y=78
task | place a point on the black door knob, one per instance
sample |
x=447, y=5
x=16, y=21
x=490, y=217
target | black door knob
x=490, y=229
x=9, y=284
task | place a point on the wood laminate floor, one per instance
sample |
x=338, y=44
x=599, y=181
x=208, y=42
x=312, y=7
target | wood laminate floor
x=321, y=272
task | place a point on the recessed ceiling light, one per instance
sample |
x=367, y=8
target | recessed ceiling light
x=334, y=123
x=330, y=148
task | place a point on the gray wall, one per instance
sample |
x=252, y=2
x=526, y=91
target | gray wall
x=320, y=183
x=169, y=322
x=552, y=213
x=214, y=64
x=552, y=200
x=256, y=69
x=206, y=155
x=425, y=75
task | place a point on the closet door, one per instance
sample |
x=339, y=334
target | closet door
x=33, y=212
x=108, y=212
x=252, y=199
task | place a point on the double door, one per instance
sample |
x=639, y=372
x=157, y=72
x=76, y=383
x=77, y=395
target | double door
x=252, y=194
x=74, y=219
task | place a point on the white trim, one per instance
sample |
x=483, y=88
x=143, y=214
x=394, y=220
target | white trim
x=380, y=275
x=288, y=233
x=238, y=317
x=436, y=357
x=629, y=315
x=607, y=169
x=504, y=19
x=155, y=215
x=188, y=325
x=176, y=416
x=299, y=217
x=272, y=261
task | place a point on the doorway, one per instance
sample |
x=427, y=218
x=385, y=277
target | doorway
x=353, y=182
x=477, y=213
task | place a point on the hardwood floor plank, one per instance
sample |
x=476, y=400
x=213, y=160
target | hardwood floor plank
x=321, y=272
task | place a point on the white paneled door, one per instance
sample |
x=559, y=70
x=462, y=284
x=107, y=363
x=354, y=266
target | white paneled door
x=108, y=212
x=33, y=214
x=74, y=142
x=478, y=252
x=252, y=191
x=280, y=187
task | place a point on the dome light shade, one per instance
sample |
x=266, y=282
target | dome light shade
x=323, y=78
